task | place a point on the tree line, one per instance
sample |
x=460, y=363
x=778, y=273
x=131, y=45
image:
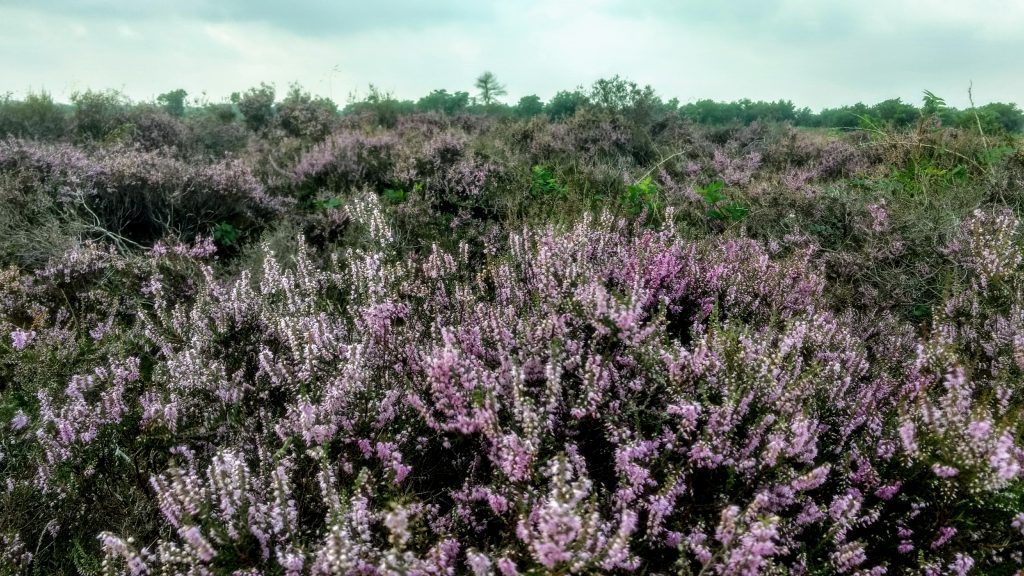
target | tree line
x=98, y=114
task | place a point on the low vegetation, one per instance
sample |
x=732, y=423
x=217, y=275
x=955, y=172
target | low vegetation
x=604, y=334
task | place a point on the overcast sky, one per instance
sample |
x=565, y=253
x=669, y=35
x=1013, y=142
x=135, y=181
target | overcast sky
x=814, y=52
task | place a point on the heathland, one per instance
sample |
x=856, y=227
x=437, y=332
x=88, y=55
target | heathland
x=603, y=334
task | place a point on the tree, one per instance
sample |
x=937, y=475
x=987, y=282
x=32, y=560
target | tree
x=1003, y=116
x=565, y=104
x=616, y=93
x=37, y=116
x=896, y=112
x=256, y=106
x=529, y=106
x=173, y=102
x=489, y=88
x=98, y=115
x=442, y=101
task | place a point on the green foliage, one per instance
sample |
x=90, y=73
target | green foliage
x=743, y=111
x=225, y=234
x=99, y=116
x=529, y=106
x=546, y=185
x=642, y=197
x=395, y=195
x=36, y=117
x=932, y=104
x=923, y=173
x=712, y=193
x=640, y=105
x=565, y=104
x=1001, y=118
x=328, y=203
x=442, y=101
x=256, y=106
x=720, y=208
x=87, y=561
x=173, y=102
x=619, y=94
x=223, y=112
x=215, y=129
x=895, y=112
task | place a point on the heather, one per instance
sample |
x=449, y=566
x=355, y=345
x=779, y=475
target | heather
x=609, y=340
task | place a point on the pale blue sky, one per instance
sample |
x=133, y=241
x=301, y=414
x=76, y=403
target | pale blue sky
x=816, y=53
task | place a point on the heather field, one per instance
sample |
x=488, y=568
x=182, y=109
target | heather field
x=605, y=334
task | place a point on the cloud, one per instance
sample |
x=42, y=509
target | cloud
x=815, y=53
x=303, y=17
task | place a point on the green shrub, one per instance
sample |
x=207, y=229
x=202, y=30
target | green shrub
x=36, y=117
x=256, y=106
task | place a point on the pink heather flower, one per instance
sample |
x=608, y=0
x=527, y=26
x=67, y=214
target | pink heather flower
x=943, y=471
x=888, y=491
x=291, y=560
x=961, y=565
x=756, y=546
x=879, y=216
x=21, y=338
x=507, y=567
x=946, y=534
x=195, y=539
x=809, y=515
x=1004, y=459
x=101, y=329
x=907, y=432
x=1018, y=522
x=811, y=480
x=846, y=506
x=696, y=542
x=388, y=452
x=849, y=556
x=19, y=421
x=114, y=546
x=479, y=563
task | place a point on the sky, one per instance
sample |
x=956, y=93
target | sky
x=817, y=53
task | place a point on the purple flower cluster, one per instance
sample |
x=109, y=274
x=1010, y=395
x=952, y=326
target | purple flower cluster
x=604, y=397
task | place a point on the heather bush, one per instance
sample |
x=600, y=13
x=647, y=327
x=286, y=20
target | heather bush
x=32, y=231
x=302, y=116
x=348, y=160
x=153, y=129
x=619, y=399
x=131, y=196
x=611, y=342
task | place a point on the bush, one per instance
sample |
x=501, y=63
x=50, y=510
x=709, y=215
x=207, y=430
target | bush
x=601, y=398
x=36, y=117
x=214, y=130
x=303, y=116
x=139, y=197
x=100, y=116
x=256, y=106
